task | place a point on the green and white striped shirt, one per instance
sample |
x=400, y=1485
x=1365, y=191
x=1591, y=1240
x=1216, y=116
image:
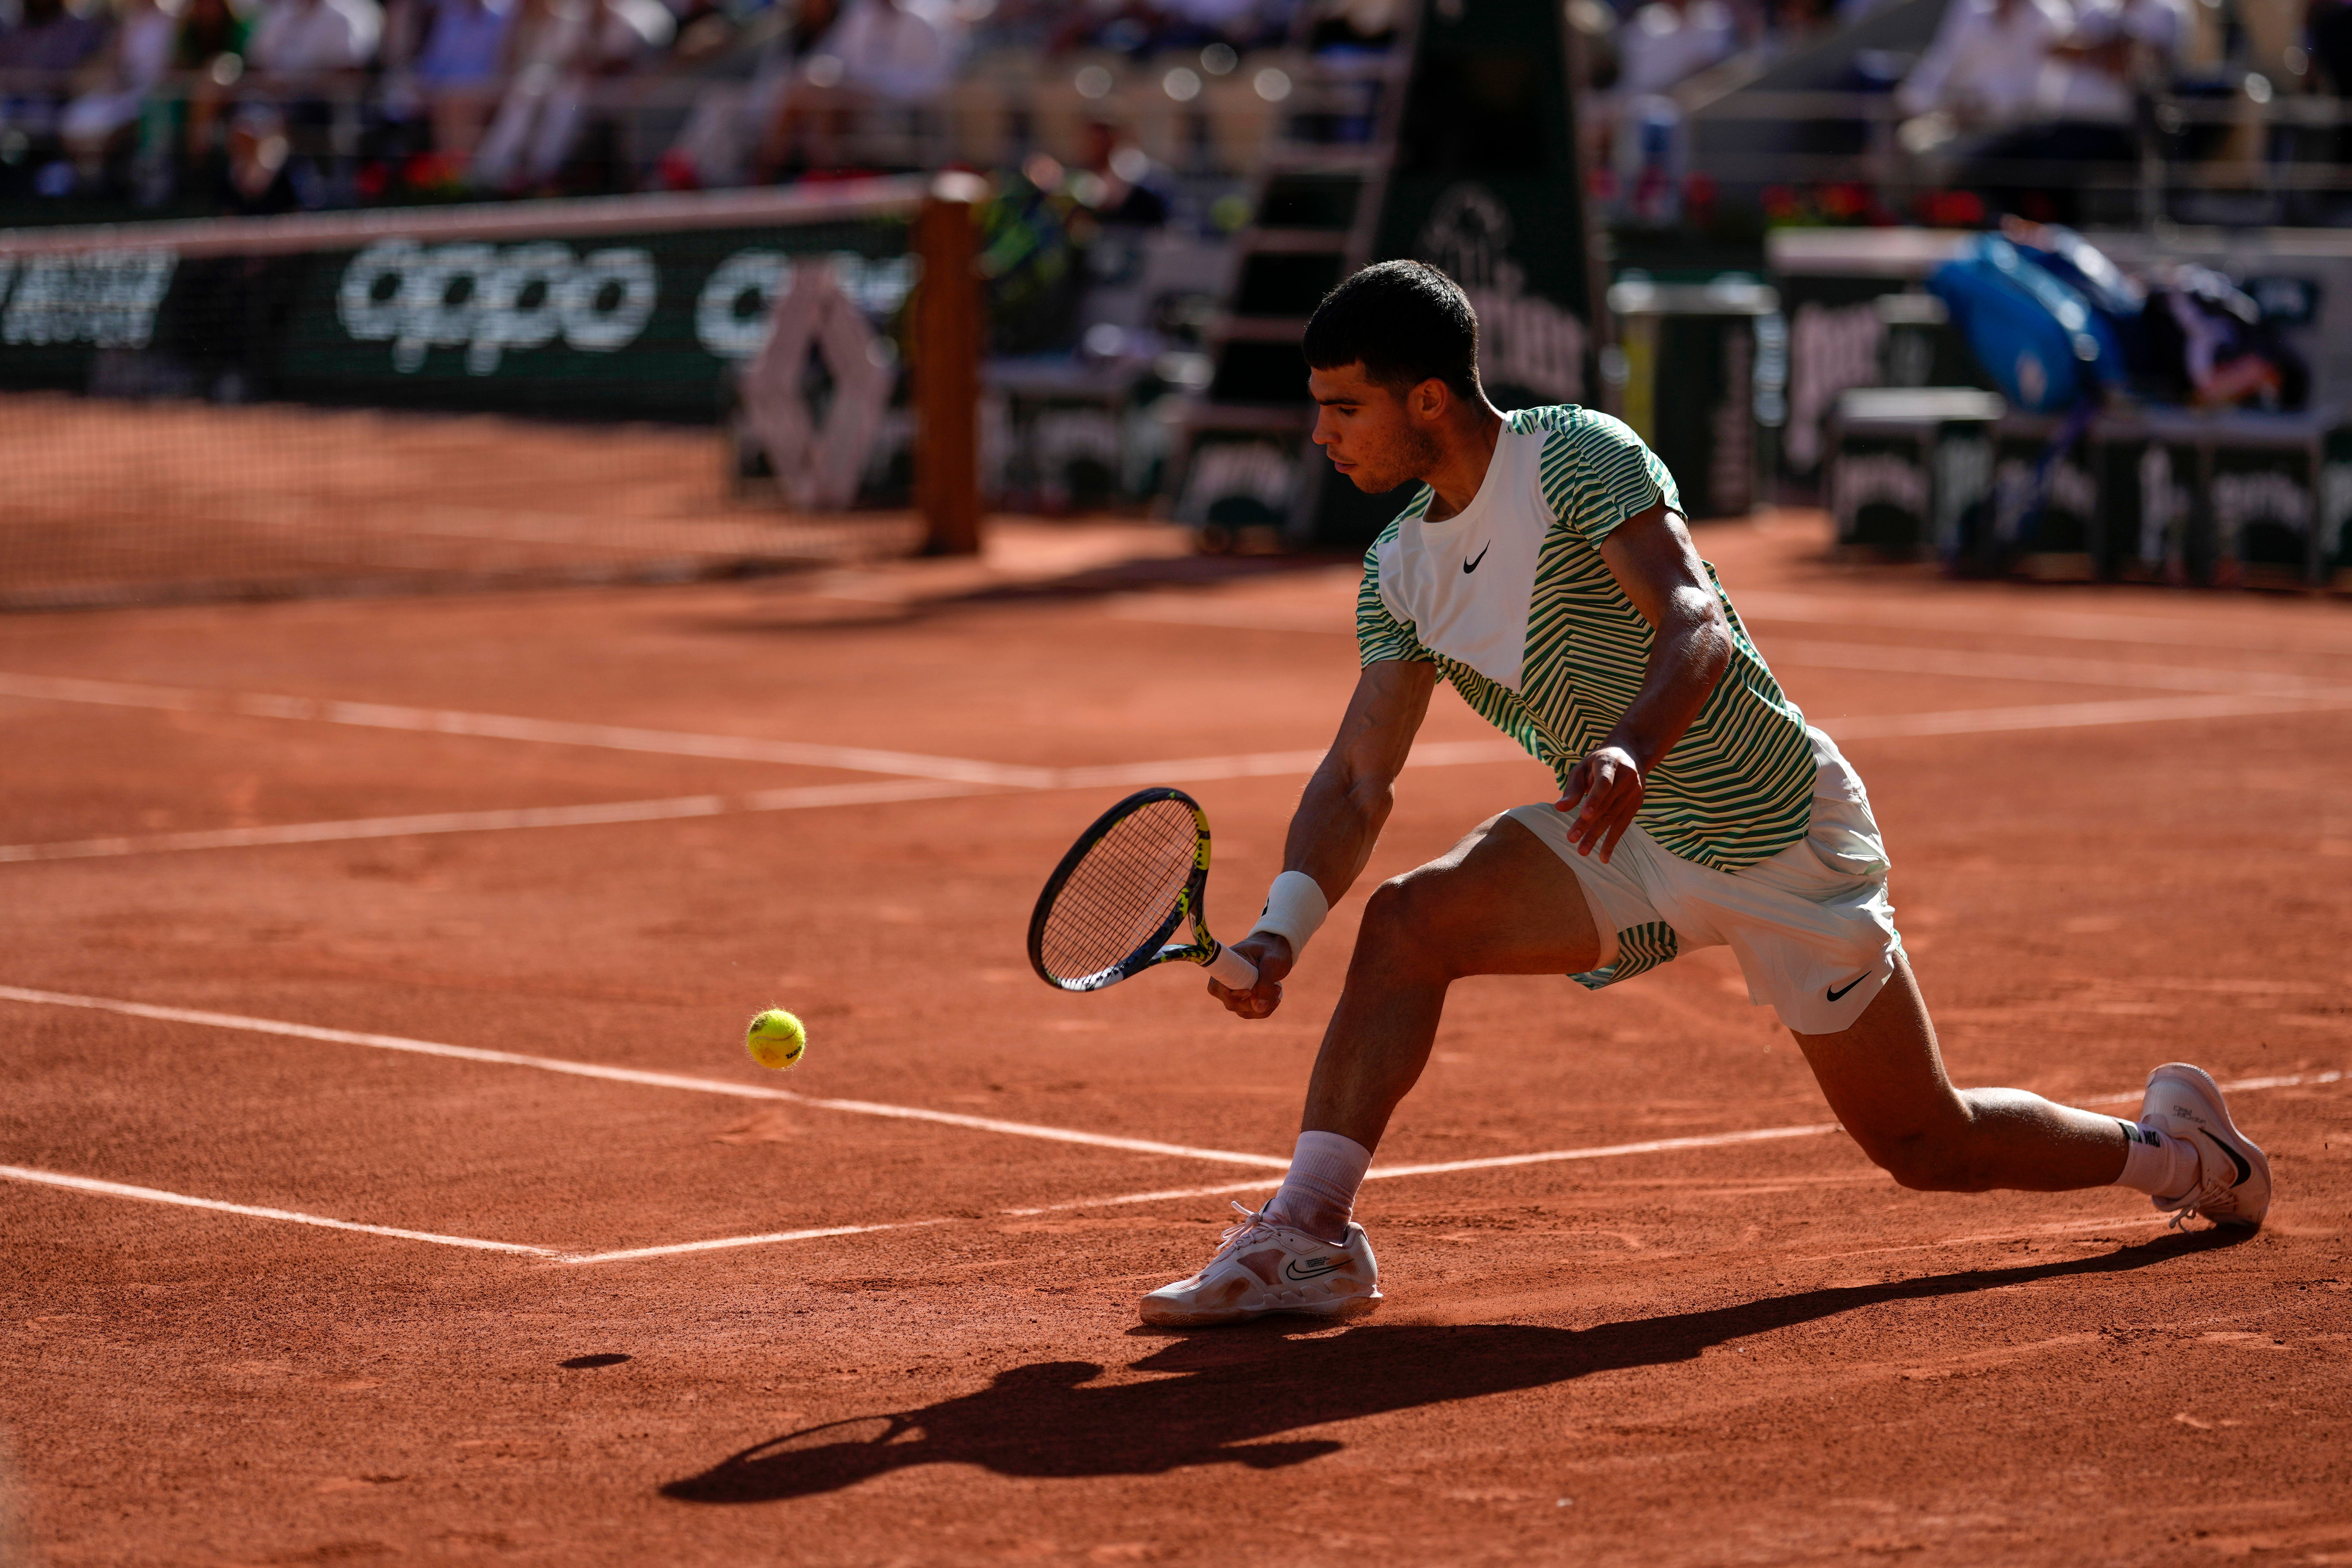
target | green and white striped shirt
x=1512, y=602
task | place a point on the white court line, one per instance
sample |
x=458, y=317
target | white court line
x=1970, y=614
x=1955, y=614
x=2063, y=716
x=1971, y=666
x=181, y=1200
x=1619, y=1150
x=1491, y=1163
x=1192, y=770
x=716, y=1244
x=630, y=1075
x=806, y=797
x=724, y=1243
x=506, y=727
x=1958, y=662
x=671, y=742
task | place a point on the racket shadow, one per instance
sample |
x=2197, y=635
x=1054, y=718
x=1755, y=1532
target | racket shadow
x=1234, y=1392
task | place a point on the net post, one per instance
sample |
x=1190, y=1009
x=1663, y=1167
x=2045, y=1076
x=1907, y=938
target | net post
x=948, y=332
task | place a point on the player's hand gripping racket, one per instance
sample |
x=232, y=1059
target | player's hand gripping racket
x=1111, y=906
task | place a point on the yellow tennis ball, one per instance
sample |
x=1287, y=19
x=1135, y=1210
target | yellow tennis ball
x=776, y=1040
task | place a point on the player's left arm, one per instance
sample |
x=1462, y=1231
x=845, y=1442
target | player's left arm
x=1652, y=558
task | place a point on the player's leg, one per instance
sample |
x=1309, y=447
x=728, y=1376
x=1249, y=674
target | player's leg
x=1500, y=902
x=1885, y=1078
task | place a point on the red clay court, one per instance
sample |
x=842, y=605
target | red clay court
x=387, y=1181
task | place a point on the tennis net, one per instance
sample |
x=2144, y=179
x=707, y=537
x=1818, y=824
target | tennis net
x=425, y=399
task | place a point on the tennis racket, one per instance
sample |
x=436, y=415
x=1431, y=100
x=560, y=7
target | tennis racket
x=1112, y=905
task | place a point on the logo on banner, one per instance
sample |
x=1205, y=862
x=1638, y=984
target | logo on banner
x=1525, y=340
x=1830, y=348
x=2242, y=499
x=1876, y=478
x=2335, y=508
x=1240, y=483
x=105, y=299
x=490, y=299
x=816, y=392
x=730, y=314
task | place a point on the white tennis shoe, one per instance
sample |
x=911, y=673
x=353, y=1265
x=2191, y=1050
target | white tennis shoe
x=2233, y=1176
x=1265, y=1268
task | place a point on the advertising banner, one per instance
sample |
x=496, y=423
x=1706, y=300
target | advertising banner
x=623, y=325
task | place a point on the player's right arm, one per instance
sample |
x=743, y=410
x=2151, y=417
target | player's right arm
x=1340, y=815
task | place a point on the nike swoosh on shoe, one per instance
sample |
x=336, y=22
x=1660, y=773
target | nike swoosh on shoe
x=2245, y=1171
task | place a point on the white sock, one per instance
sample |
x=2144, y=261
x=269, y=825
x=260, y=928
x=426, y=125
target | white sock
x=1320, y=1193
x=2156, y=1162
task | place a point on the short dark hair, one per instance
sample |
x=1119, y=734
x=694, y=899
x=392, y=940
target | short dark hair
x=1405, y=322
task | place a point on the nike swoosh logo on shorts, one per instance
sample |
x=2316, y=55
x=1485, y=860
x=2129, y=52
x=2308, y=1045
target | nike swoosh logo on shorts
x=2245, y=1171
x=1315, y=1269
x=1472, y=565
x=1849, y=984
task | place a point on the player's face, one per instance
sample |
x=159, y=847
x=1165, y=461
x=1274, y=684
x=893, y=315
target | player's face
x=1372, y=433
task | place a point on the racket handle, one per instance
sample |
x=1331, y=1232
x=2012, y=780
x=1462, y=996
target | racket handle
x=1230, y=970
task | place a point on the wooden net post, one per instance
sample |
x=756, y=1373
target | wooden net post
x=949, y=336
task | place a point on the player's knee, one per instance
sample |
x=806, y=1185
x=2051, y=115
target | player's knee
x=1925, y=1163
x=1388, y=916
x=1400, y=925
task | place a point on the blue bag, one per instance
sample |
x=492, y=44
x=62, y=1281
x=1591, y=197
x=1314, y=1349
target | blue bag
x=2042, y=344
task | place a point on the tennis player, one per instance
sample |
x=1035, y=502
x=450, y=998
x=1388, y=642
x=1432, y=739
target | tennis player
x=1543, y=569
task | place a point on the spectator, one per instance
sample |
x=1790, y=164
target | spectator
x=1795, y=23
x=2119, y=50
x=730, y=122
x=37, y=58
x=302, y=45
x=2328, y=25
x=137, y=58
x=902, y=50
x=1667, y=40
x=1660, y=45
x=879, y=52
x=307, y=54
x=1352, y=25
x=1125, y=187
x=2204, y=342
x=232, y=312
x=456, y=70
x=1985, y=67
x=209, y=31
x=210, y=51
x=557, y=50
x=1246, y=24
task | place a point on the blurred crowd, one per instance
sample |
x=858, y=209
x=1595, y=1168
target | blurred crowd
x=1997, y=89
x=255, y=104
x=266, y=103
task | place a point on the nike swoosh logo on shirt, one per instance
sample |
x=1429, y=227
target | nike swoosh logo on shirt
x=1849, y=984
x=1472, y=565
x=2245, y=1171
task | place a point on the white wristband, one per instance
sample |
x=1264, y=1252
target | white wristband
x=1295, y=909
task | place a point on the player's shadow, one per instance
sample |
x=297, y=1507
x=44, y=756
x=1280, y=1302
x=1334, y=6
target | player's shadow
x=1231, y=1390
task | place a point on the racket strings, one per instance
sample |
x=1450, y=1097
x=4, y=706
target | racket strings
x=1121, y=892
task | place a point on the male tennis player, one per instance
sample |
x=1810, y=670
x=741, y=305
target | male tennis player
x=1542, y=568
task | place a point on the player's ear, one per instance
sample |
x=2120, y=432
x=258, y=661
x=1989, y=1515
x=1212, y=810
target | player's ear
x=1429, y=400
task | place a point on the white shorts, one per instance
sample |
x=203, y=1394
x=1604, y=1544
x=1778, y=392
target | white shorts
x=1812, y=926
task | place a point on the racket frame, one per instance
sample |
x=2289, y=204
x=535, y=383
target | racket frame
x=1203, y=949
